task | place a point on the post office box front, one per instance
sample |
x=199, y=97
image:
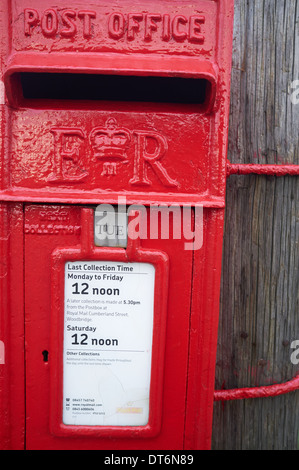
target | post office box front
x=115, y=122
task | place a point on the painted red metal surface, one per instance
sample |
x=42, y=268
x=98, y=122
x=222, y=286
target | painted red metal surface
x=86, y=251
x=267, y=170
x=42, y=377
x=12, y=373
x=59, y=154
x=258, y=392
x=171, y=152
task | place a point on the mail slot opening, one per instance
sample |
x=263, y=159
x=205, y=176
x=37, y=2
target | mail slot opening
x=123, y=88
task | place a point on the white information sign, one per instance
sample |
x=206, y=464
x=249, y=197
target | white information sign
x=108, y=329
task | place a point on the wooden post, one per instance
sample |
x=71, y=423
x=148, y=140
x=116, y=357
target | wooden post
x=259, y=318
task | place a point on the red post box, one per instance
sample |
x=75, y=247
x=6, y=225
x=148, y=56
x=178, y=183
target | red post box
x=114, y=121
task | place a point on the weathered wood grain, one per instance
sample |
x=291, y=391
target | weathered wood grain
x=259, y=315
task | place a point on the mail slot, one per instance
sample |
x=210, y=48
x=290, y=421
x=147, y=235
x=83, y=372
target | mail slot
x=114, y=121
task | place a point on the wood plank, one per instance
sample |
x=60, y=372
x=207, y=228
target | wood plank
x=260, y=278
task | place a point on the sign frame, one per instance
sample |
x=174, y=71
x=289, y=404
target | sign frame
x=86, y=251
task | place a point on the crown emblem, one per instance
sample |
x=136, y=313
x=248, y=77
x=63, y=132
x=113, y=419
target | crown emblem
x=110, y=143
